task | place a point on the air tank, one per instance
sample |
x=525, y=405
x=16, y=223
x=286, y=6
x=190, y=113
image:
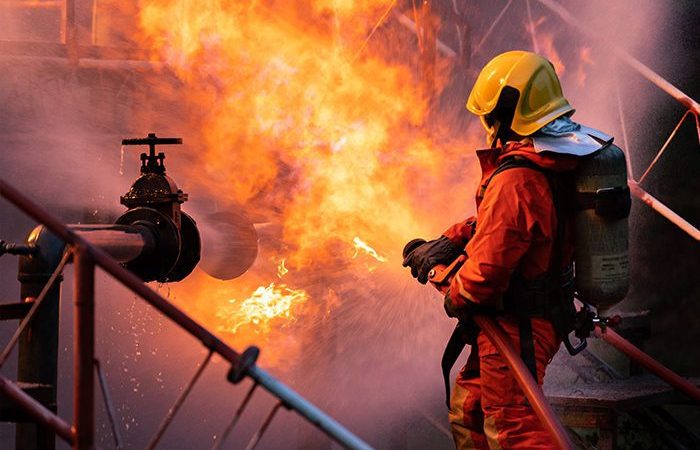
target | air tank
x=601, y=228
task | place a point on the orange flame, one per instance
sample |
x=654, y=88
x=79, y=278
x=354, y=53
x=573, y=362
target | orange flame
x=545, y=41
x=265, y=307
x=281, y=269
x=550, y=52
x=586, y=60
x=306, y=125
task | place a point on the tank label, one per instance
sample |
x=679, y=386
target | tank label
x=609, y=268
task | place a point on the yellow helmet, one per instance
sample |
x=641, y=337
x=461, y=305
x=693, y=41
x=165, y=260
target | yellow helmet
x=540, y=100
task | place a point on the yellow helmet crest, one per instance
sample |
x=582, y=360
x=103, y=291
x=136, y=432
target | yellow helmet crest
x=533, y=76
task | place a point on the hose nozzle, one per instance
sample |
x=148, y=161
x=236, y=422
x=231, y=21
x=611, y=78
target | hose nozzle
x=412, y=245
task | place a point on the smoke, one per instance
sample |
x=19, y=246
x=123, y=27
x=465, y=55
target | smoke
x=283, y=122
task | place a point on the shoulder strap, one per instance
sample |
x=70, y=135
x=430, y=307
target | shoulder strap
x=464, y=333
x=559, y=199
x=513, y=162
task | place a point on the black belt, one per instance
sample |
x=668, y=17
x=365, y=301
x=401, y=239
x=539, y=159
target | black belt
x=463, y=334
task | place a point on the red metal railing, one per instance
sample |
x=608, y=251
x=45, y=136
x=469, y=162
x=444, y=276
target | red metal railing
x=86, y=258
x=649, y=363
x=692, y=108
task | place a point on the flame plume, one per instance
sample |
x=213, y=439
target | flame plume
x=264, y=307
x=300, y=116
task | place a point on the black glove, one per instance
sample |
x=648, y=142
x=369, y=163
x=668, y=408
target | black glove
x=426, y=256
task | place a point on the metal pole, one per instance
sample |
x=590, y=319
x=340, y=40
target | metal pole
x=630, y=60
x=37, y=360
x=413, y=28
x=532, y=390
x=663, y=147
x=259, y=434
x=495, y=22
x=84, y=350
x=57, y=274
x=71, y=32
x=218, y=444
x=123, y=243
x=108, y=405
x=533, y=34
x=646, y=361
x=664, y=210
x=314, y=415
x=178, y=403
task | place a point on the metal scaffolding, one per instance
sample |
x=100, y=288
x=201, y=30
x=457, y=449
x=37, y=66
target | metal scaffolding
x=86, y=258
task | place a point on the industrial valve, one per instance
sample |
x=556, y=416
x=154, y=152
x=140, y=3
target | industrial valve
x=154, y=238
x=173, y=244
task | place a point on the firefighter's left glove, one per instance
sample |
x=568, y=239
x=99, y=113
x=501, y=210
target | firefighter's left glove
x=428, y=255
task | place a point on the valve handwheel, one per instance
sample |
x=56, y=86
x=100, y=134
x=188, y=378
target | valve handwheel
x=152, y=162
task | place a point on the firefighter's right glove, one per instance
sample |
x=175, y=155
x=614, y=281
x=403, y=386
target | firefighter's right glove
x=429, y=254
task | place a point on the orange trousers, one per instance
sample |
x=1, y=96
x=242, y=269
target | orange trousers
x=488, y=410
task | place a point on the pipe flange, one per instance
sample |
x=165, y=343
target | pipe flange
x=190, y=249
x=156, y=262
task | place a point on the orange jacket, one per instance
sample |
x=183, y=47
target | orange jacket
x=515, y=226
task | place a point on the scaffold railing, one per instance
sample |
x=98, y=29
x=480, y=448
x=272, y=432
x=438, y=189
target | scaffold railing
x=692, y=108
x=86, y=258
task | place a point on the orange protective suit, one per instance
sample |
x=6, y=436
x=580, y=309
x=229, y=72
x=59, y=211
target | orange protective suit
x=515, y=230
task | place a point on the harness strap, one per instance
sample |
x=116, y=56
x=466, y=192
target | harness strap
x=527, y=344
x=455, y=345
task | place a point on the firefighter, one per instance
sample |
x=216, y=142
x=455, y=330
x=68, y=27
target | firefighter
x=519, y=249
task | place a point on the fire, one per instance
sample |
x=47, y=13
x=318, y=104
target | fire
x=293, y=120
x=297, y=116
x=362, y=245
x=544, y=41
x=549, y=50
x=586, y=60
x=281, y=269
x=265, y=307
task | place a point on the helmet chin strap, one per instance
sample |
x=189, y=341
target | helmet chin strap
x=503, y=115
x=493, y=137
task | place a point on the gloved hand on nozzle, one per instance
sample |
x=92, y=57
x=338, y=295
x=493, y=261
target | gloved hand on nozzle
x=429, y=254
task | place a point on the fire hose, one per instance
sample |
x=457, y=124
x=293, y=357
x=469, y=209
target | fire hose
x=440, y=277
